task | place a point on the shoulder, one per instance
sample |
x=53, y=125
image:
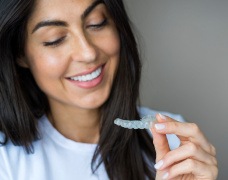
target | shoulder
x=173, y=140
x=10, y=155
x=4, y=171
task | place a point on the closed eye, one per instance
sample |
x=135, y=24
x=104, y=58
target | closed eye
x=54, y=43
x=98, y=26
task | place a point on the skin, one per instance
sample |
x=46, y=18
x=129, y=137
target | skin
x=193, y=160
x=75, y=111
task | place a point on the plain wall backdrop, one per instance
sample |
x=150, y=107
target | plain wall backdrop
x=184, y=48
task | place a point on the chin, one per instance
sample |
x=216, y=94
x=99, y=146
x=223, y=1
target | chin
x=94, y=103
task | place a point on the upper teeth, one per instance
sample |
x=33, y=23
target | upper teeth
x=88, y=77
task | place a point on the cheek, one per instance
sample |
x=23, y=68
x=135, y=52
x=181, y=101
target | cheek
x=43, y=64
x=109, y=42
x=112, y=45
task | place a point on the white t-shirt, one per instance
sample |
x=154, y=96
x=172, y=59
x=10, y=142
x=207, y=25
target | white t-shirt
x=56, y=157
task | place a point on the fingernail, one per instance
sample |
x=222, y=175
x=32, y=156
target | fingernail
x=159, y=164
x=159, y=126
x=162, y=117
x=165, y=176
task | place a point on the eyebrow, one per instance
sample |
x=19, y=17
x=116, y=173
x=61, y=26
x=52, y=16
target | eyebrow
x=63, y=23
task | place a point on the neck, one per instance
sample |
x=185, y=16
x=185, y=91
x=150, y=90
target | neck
x=79, y=125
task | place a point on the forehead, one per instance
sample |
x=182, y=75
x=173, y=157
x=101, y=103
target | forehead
x=58, y=9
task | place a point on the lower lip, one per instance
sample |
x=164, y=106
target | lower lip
x=89, y=84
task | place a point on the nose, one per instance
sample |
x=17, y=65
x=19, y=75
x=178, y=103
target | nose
x=83, y=49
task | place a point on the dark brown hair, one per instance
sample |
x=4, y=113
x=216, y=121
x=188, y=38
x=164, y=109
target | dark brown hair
x=126, y=154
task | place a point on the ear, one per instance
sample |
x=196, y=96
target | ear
x=22, y=61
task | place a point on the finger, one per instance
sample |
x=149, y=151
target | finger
x=185, y=131
x=160, y=143
x=161, y=118
x=187, y=151
x=192, y=167
x=182, y=128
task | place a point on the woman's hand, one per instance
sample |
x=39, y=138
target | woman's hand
x=193, y=160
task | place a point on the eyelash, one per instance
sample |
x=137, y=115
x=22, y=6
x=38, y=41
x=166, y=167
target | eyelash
x=98, y=26
x=54, y=43
x=92, y=26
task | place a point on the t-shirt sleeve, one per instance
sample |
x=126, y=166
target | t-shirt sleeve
x=3, y=168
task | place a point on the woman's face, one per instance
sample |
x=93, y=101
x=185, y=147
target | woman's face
x=72, y=50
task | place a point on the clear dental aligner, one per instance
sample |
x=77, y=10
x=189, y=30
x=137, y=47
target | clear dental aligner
x=144, y=123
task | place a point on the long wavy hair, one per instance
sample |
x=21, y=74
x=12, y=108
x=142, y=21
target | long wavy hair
x=126, y=154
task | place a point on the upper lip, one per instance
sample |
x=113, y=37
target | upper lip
x=87, y=72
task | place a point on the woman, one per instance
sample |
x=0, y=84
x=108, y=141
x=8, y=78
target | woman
x=67, y=70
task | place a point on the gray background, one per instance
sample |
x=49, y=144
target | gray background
x=184, y=47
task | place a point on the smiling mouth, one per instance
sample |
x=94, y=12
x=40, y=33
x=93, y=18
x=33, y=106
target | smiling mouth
x=88, y=77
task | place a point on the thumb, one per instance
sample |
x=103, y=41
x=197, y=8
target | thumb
x=160, y=140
